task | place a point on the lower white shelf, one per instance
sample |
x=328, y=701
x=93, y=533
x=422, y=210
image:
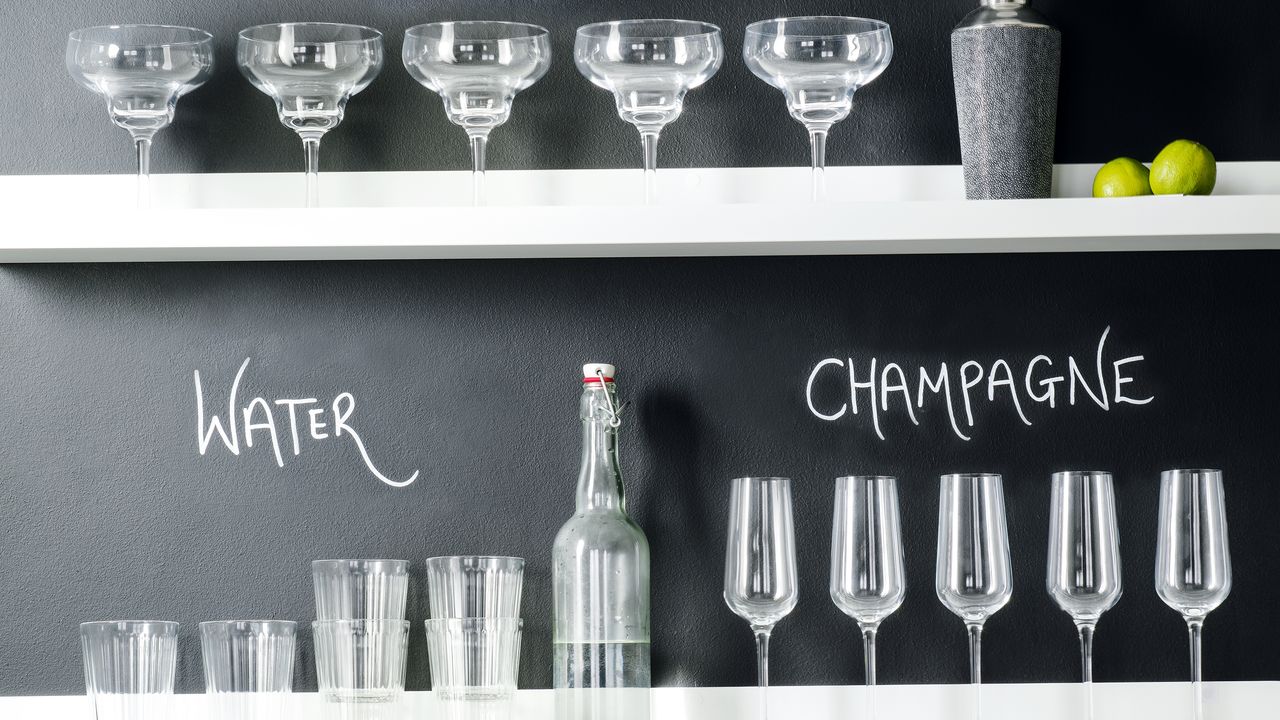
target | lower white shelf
x=1103, y=701
x=600, y=213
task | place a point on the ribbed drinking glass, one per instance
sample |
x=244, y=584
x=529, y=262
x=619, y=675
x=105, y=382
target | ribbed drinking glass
x=1193, y=560
x=474, y=586
x=248, y=667
x=474, y=658
x=974, y=579
x=868, y=579
x=1083, y=574
x=760, y=583
x=361, y=660
x=360, y=589
x=129, y=668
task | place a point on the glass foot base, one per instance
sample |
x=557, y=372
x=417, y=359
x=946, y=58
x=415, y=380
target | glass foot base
x=361, y=696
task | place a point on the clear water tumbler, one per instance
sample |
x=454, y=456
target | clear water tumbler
x=248, y=667
x=360, y=589
x=474, y=658
x=129, y=668
x=472, y=586
x=361, y=660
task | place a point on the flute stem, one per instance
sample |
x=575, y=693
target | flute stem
x=1086, y=652
x=762, y=656
x=762, y=663
x=869, y=653
x=975, y=653
x=1194, y=627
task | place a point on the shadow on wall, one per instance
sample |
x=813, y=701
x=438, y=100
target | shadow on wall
x=681, y=513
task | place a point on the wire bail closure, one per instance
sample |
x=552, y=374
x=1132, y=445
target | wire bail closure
x=615, y=413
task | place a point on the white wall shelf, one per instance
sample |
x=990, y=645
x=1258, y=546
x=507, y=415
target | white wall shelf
x=598, y=213
x=1110, y=701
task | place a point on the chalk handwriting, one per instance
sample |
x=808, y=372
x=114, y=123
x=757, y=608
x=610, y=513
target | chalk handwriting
x=299, y=423
x=888, y=387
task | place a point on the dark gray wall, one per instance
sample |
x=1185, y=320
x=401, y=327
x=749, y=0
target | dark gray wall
x=1135, y=76
x=467, y=368
x=468, y=371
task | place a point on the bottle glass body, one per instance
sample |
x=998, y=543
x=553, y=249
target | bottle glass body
x=600, y=568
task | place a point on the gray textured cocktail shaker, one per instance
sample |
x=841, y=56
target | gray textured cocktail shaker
x=1005, y=58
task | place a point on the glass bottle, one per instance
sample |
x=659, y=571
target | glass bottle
x=600, y=566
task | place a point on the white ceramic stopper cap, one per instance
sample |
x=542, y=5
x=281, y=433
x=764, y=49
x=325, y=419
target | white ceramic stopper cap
x=590, y=370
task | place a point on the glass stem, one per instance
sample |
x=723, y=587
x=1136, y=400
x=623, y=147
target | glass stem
x=144, y=171
x=869, y=653
x=1194, y=626
x=1197, y=701
x=479, y=143
x=1086, y=651
x=649, y=142
x=818, y=150
x=975, y=653
x=762, y=655
x=311, y=146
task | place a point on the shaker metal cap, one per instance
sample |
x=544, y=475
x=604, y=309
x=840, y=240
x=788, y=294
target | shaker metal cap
x=1003, y=13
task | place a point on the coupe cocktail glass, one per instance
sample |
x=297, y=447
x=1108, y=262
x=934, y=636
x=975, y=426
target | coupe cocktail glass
x=141, y=70
x=310, y=70
x=649, y=65
x=477, y=68
x=818, y=63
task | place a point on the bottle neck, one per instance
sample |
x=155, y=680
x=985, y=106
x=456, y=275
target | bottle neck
x=599, y=480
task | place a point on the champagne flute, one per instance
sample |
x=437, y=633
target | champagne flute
x=818, y=63
x=1083, y=574
x=973, y=576
x=477, y=68
x=141, y=70
x=1193, y=562
x=867, y=576
x=649, y=66
x=310, y=70
x=760, y=559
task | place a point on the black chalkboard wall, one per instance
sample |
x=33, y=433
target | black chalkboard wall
x=468, y=372
x=1135, y=75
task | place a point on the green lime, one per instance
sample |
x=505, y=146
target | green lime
x=1122, y=177
x=1184, y=167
